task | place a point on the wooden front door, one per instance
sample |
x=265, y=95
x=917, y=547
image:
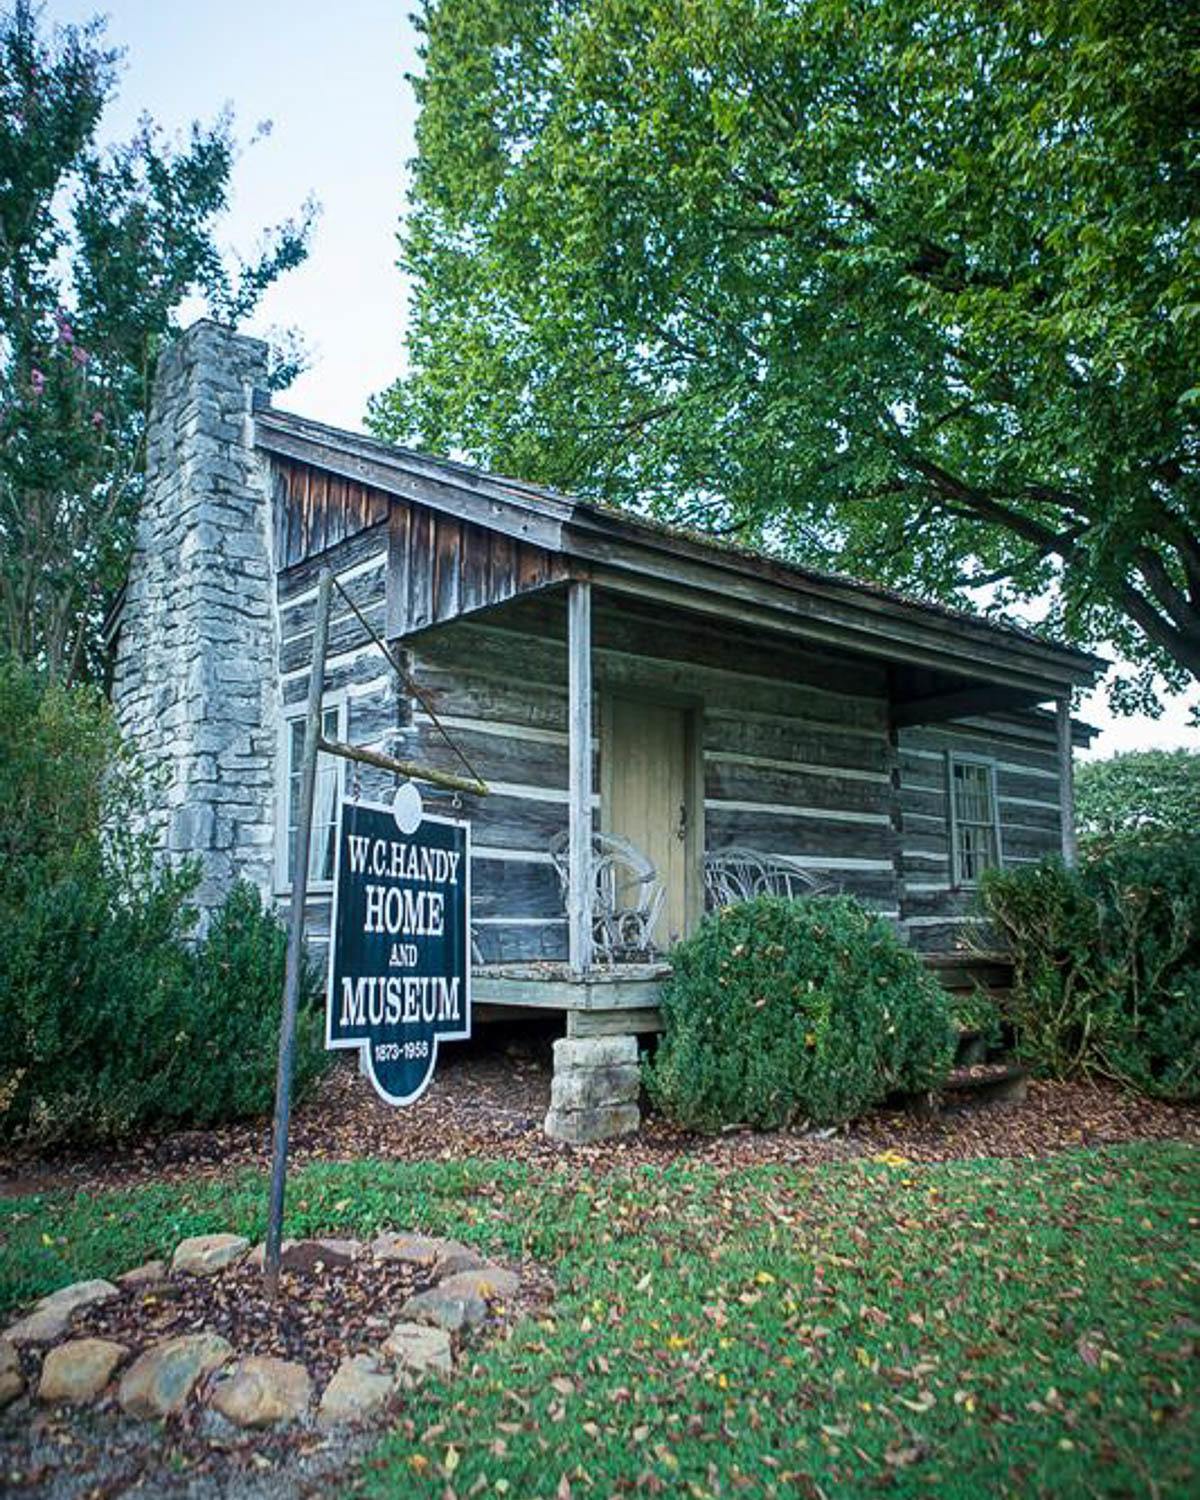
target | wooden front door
x=647, y=797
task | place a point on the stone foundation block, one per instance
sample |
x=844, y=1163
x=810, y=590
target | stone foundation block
x=594, y=1092
x=582, y=1127
x=572, y=1053
x=593, y=1088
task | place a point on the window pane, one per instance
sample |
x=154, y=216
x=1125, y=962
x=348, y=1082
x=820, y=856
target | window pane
x=973, y=790
x=325, y=793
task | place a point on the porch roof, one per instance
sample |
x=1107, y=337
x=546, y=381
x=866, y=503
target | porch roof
x=944, y=662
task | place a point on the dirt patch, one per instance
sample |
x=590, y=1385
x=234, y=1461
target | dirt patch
x=100, y=1456
x=487, y=1102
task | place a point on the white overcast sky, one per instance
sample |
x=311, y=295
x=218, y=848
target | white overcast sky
x=330, y=78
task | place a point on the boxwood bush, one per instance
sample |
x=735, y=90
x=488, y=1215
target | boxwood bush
x=111, y=1017
x=1107, y=963
x=783, y=1011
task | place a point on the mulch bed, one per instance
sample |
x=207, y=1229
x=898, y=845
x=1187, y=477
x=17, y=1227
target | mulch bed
x=318, y=1319
x=489, y=1100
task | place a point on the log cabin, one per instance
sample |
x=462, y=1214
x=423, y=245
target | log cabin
x=663, y=721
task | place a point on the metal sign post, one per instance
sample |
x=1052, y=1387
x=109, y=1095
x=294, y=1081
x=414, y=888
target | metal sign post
x=315, y=742
x=295, y=947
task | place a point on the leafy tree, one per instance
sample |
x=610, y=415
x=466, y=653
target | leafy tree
x=98, y=250
x=907, y=289
x=1140, y=793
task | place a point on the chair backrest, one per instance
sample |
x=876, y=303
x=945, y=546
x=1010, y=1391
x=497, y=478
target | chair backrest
x=739, y=874
x=627, y=896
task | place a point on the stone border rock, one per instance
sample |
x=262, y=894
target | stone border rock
x=250, y=1390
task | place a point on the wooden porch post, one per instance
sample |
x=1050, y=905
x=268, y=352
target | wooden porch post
x=1066, y=781
x=579, y=750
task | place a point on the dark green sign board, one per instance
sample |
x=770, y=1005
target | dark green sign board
x=400, y=949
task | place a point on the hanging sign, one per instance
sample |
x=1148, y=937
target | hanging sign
x=400, y=955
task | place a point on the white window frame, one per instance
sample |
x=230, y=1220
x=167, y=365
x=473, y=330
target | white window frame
x=331, y=703
x=987, y=762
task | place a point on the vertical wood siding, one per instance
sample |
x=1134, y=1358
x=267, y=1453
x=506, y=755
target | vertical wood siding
x=442, y=568
x=315, y=510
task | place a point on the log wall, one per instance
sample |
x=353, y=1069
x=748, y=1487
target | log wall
x=1023, y=749
x=797, y=756
x=794, y=763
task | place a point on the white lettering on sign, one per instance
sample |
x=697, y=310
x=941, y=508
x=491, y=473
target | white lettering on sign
x=415, y=997
x=391, y=859
x=390, y=910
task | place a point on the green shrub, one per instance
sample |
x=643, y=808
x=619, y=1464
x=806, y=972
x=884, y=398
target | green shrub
x=779, y=1011
x=232, y=1015
x=1107, y=964
x=110, y=1019
x=976, y=1011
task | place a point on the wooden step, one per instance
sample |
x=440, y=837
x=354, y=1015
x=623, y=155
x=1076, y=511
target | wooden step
x=965, y=972
x=968, y=1087
x=990, y=1082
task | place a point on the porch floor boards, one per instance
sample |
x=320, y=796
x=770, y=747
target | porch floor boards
x=501, y=990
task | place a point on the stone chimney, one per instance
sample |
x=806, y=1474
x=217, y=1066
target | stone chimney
x=195, y=685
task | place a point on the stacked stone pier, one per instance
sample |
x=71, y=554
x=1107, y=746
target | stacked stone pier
x=594, y=1092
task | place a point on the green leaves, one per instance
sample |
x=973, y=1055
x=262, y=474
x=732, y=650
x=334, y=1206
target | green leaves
x=1107, y=962
x=778, y=1011
x=1140, y=793
x=98, y=251
x=901, y=290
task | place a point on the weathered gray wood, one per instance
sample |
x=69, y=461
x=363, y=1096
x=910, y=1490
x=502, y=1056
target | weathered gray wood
x=521, y=941
x=441, y=567
x=506, y=821
x=958, y=704
x=941, y=934
x=1026, y=819
x=626, y=625
x=497, y=756
x=821, y=788
x=1028, y=787
x=1031, y=756
x=360, y=671
x=579, y=731
x=514, y=888
x=365, y=585
x=519, y=655
x=592, y=993
x=794, y=738
x=346, y=633
x=774, y=832
x=844, y=623
x=1066, y=781
x=365, y=545
x=634, y=1021
x=506, y=505
x=460, y=692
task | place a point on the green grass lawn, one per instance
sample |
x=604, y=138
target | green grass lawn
x=1000, y=1327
